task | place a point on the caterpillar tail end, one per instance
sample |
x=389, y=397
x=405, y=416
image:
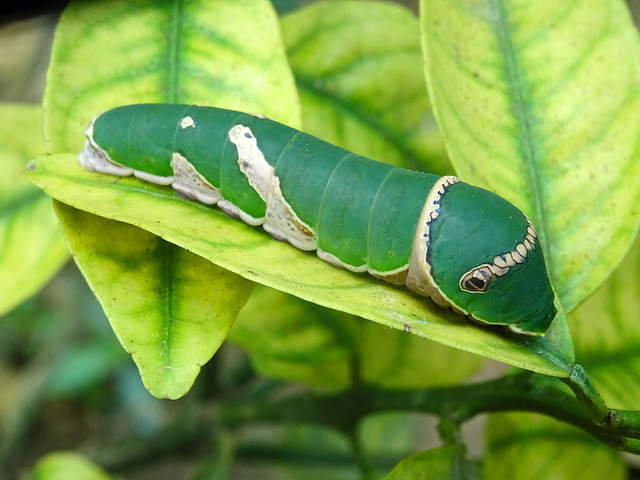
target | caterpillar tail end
x=95, y=159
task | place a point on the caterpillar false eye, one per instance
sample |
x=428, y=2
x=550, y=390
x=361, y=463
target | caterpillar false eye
x=461, y=245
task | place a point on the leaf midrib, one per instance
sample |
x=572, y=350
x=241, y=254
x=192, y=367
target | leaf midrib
x=167, y=265
x=523, y=113
x=173, y=50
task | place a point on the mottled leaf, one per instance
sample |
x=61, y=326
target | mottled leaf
x=295, y=340
x=539, y=101
x=444, y=463
x=358, y=68
x=204, y=52
x=531, y=447
x=607, y=334
x=31, y=246
x=67, y=466
x=170, y=309
x=115, y=52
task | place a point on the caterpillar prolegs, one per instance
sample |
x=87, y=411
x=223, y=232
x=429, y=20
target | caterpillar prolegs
x=461, y=245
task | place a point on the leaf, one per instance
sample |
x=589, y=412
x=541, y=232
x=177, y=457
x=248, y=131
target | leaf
x=253, y=254
x=31, y=246
x=607, y=334
x=346, y=57
x=527, y=446
x=443, y=463
x=204, y=52
x=294, y=340
x=170, y=309
x=175, y=52
x=67, y=466
x=538, y=101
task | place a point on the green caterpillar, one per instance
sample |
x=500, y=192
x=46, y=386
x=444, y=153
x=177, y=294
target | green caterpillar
x=461, y=245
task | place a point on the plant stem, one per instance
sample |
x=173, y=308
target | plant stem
x=524, y=391
x=586, y=392
x=344, y=411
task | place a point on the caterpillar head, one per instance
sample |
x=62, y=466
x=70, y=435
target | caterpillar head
x=479, y=254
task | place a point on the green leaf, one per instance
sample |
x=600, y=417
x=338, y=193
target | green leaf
x=527, y=446
x=222, y=53
x=290, y=339
x=67, y=466
x=253, y=254
x=170, y=309
x=539, y=102
x=31, y=247
x=607, y=334
x=346, y=57
x=176, y=51
x=444, y=463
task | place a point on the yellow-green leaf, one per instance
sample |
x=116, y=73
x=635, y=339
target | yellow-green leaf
x=31, y=246
x=115, y=52
x=255, y=255
x=170, y=309
x=290, y=339
x=218, y=52
x=607, y=334
x=539, y=102
x=358, y=68
x=532, y=447
x=444, y=463
x=67, y=466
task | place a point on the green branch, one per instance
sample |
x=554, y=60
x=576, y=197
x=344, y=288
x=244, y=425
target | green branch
x=275, y=402
x=525, y=392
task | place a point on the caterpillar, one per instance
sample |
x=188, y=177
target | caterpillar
x=464, y=247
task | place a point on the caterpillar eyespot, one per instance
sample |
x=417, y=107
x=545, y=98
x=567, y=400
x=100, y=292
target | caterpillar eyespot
x=461, y=245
